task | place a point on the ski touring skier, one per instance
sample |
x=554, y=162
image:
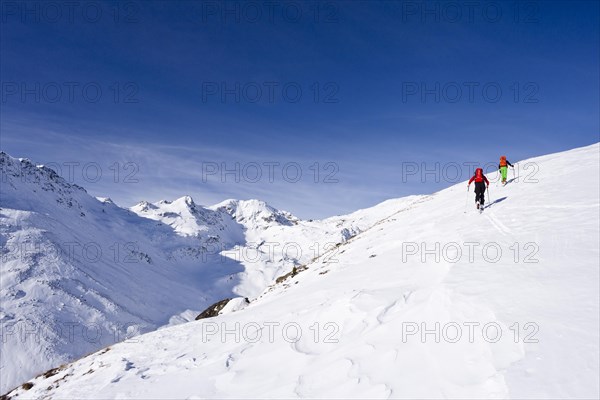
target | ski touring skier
x=481, y=183
x=503, y=167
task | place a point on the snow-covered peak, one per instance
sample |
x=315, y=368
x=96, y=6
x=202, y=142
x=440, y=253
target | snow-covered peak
x=106, y=200
x=189, y=218
x=181, y=205
x=255, y=214
x=21, y=171
x=182, y=214
x=187, y=200
x=143, y=206
x=28, y=186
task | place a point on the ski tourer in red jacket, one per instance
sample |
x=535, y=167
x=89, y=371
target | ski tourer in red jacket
x=479, y=179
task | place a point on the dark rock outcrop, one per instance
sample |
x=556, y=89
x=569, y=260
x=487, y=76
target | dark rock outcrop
x=213, y=310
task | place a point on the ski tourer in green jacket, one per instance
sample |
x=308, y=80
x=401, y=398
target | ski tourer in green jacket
x=503, y=167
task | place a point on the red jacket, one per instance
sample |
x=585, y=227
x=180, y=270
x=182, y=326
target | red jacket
x=479, y=177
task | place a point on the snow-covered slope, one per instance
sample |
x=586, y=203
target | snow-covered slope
x=429, y=302
x=79, y=273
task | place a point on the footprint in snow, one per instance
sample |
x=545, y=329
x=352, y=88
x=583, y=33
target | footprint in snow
x=128, y=364
x=142, y=373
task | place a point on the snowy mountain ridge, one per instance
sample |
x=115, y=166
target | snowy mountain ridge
x=38, y=179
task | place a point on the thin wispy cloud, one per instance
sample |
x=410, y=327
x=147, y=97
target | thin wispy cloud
x=131, y=172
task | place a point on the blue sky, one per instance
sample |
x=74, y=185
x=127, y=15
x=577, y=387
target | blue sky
x=356, y=90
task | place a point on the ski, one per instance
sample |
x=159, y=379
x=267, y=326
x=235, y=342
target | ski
x=479, y=207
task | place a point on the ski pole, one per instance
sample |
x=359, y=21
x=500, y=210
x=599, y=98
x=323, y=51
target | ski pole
x=489, y=199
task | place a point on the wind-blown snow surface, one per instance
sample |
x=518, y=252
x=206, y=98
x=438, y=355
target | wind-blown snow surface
x=362, y=309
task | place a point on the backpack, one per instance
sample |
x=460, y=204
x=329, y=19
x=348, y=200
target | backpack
x=503, y=161
x=479, y=175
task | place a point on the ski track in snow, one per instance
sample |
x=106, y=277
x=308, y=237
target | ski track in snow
x=499, y=226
